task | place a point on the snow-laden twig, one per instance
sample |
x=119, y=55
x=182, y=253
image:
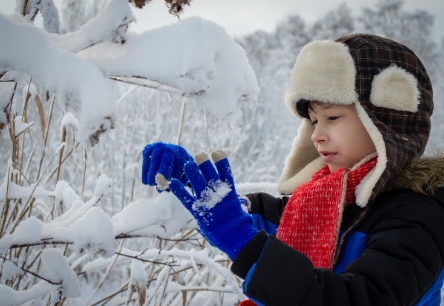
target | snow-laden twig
x=108, y=270
x=162, y=282
x=30, y=272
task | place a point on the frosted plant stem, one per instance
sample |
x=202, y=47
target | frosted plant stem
x=206, y=127
x=182, y=115
x=129, y=294
x=25, y=102
x=107, y=298
x=45, y=139
x=22, y=153
x=159, y=118
x=30, y=157
x=126, y=94
x=85, y=158
x=132, y=190
x=25, y=4
x=32, y=273
x=55, y=169
x=6, y=206
x=61, y=154
x=108, y=270
x=30, y=199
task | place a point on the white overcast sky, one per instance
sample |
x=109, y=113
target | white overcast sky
x=240, y=17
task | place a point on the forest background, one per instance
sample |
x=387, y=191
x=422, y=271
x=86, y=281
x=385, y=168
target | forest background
x=173, y=266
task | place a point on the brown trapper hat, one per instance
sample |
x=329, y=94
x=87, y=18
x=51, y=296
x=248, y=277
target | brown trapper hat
x=390, y=89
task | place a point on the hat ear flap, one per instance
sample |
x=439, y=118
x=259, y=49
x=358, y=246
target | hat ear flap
x=302, y=162
x=395, y=88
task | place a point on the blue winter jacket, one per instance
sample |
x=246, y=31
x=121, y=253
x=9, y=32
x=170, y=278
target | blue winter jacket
x=393, y=255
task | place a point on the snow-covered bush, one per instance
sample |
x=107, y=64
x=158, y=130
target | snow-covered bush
x=63, y=237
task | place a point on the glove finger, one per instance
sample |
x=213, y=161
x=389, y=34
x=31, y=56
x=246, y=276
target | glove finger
x=196, y=178
x=156, y=158
x=182, y=194
x=223, y=167
x=181, y=157
x=166, y=164
x=146, y=153
x=206, y=167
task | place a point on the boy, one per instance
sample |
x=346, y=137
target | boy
x=364, y=220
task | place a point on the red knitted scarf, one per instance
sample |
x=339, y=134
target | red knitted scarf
x=312, y=217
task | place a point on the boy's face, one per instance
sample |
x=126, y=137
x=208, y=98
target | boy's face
x=339, y=135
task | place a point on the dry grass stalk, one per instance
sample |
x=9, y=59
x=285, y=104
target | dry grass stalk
x=85, y=158
x=39, y=105
x=62, y=149
x=57, y=167
x=45, y=139
x=182, y=115
x=6, y=206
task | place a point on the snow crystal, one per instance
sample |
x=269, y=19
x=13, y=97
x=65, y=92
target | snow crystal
x=212, y=195
x=9, y=270
x=59, y=271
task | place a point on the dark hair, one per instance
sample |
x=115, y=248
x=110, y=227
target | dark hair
x=303, y=106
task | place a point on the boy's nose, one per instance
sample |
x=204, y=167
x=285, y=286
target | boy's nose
x=318, y=135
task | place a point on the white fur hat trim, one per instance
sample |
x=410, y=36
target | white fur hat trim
x=396, y=89
x=324, y=71
x=364, y=190
x=302, y=162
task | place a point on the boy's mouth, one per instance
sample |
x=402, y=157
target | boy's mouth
x=326, y=155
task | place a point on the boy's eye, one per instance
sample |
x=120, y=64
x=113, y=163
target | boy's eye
x=314, y=122
x=332, y=118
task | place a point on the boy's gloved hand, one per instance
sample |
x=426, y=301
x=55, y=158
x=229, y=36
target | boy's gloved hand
x=215, y=206
x=162, y=162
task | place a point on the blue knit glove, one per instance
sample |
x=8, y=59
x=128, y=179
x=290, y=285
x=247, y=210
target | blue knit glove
x=163, y=161
x=215, y=204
